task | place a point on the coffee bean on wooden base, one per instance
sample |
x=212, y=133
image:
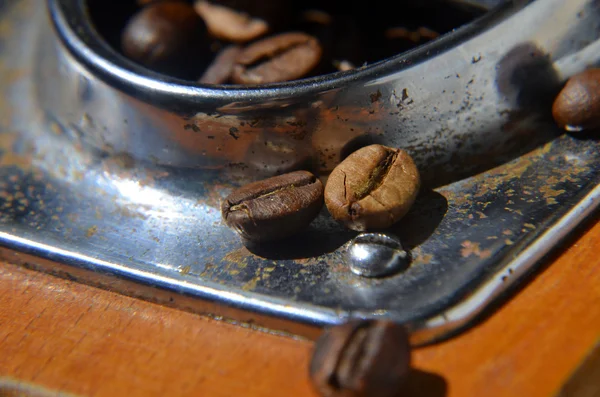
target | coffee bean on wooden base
x=361, y=359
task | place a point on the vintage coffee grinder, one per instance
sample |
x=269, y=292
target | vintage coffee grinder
x=112, y=174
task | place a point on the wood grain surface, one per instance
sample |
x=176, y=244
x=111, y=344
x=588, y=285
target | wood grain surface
x=82, y=340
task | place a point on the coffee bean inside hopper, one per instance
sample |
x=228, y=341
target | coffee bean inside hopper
x=167, y=37
x=278, y=41
x=284, y=57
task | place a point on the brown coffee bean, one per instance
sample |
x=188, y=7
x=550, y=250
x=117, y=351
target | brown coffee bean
x=228, y=24
x=284, y=57
x=221, y=68
x=577, y=106
x=372, y=188
x=361, y=359
x=318, y=17
x=166, y=37
x=274, y=208
x=343, y=66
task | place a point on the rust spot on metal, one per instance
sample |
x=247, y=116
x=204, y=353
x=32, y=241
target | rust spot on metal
x=185, y=270
x=375, y=96
x=92, y=230
x=473, y=249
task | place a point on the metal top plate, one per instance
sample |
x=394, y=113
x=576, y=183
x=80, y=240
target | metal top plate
x=156, y=232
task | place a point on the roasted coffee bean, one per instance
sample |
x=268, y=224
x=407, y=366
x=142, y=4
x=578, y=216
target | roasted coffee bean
x=221, y=68
x=276, y=14
x=146, y=2
x=318, y=17
x=284, y=57
x=167, y=37
x=361, y=359
x=372, y=188
x=577, y=106
x=228, y=24
x=420, y=35
x=343, y=66
x=274, y=208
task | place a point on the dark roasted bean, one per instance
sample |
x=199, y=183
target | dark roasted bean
x=229, y=24
x=361, y=359
x=274, y=208
x=276, y=13
x=372, y=188
x=167, y=37
x=400, y=39
x=577, y=107
x=278, y=58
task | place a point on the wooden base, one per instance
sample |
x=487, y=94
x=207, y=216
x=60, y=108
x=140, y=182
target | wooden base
x=83, y=340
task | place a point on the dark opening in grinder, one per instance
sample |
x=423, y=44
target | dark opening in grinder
x=351, y=33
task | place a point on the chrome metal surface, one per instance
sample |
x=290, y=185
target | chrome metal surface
x=375, y=255
x=274, y=128
x=124, y=192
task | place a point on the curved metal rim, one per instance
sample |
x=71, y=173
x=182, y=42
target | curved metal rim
x=85, y=44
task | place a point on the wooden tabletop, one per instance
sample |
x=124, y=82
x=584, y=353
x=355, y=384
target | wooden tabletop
x=69, y=337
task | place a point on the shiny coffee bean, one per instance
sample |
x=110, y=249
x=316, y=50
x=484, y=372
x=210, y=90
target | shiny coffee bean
x=221, y=68
x=577, y=106
x=372, y=188
x=167, y=37
x=274, y=208
x=284, y=57
x=225, y=23
x=361, y=359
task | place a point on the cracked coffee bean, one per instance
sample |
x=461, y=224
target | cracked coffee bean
x=284, y=57
x=167, y=37
x=274, y=208
x=577, y=106
x=372, y=188
x=361, y=359
x=221, y=67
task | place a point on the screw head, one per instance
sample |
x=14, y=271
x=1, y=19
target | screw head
x=376, y=255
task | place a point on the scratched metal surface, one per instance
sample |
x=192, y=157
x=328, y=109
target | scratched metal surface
x=161, y=227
